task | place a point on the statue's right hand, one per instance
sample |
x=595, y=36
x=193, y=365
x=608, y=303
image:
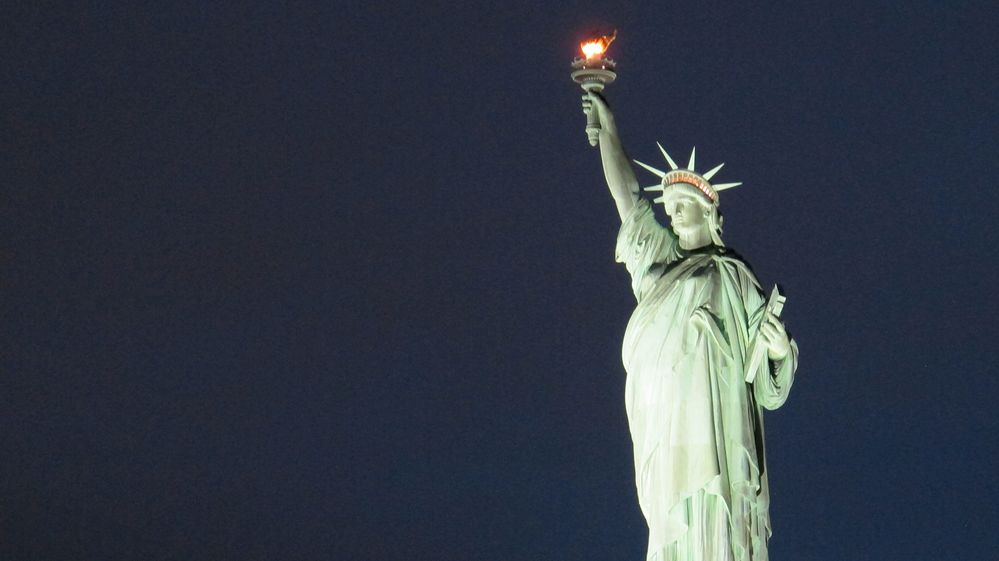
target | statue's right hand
x=593, y=101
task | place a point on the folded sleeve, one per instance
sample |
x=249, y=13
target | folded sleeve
x=643, y=242
x=771, y=390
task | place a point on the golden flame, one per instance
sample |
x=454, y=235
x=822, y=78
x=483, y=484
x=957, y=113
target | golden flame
x=593, y=48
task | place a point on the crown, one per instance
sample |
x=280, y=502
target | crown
x=686, y=176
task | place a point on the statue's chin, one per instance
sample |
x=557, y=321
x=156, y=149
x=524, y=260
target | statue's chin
x=684, y=230
x=693, y=237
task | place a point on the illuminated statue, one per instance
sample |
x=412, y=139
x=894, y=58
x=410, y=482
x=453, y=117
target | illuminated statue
x=696, y=422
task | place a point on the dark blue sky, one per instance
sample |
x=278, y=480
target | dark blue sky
x=336, y=281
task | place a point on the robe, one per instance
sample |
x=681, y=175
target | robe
x=696, y=425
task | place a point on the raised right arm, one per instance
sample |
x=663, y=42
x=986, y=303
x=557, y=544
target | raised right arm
x=617, y=170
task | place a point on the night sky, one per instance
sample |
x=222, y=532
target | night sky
x=337, y=281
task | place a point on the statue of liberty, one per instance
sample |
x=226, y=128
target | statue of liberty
x=694, y=412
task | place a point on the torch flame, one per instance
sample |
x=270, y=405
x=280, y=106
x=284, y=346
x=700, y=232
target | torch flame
x=596, y=47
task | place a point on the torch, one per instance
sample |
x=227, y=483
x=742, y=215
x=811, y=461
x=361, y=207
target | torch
x=592, y=73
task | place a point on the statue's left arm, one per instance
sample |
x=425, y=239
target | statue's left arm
x=776, y=375
x=782, y=353
x=771, y=388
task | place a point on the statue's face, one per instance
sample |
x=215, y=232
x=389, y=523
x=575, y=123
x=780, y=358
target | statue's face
x=686, y=214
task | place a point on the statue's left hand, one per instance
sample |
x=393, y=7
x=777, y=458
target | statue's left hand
x=775, y=335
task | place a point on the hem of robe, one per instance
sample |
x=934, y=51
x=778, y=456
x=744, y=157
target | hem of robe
x=713, y=486
x=671, y=550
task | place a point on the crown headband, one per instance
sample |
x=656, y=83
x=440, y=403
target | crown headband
x=686, y=176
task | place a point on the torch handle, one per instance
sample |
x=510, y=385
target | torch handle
x=592, y=128
x=592, y=122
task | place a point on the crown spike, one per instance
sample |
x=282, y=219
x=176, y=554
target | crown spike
x=693, y=152
x=659, y=199
x=652, y=169
x=669, y=160
x=723, y=186
x=711, y=173
x=658, y=187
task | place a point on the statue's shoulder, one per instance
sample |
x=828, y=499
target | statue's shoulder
x=731, y=259
x=726, y=254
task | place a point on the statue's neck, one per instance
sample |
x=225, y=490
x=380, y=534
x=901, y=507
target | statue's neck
x=697, y=239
